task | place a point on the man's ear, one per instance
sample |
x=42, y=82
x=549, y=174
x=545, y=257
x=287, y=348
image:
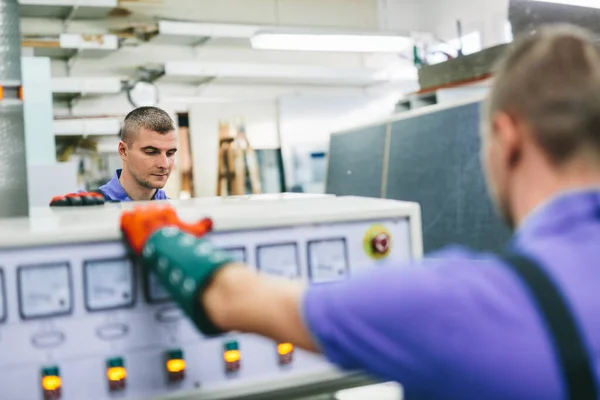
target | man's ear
x=123, y=150
x=507, y=133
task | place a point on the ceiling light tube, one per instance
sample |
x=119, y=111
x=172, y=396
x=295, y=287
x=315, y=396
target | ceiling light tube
x=330, y=42
x=579, y=3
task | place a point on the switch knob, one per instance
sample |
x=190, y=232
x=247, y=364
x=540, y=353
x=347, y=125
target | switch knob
x=380, y=244
x=377, y=242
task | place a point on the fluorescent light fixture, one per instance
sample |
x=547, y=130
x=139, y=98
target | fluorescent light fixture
x=579, y=3
x=379, y=43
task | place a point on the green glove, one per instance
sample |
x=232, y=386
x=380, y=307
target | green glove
x=184, y=265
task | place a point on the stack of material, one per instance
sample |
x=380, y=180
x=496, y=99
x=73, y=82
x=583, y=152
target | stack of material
x=238, y=166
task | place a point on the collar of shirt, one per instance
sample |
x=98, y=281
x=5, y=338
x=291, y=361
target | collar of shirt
x=115, y=192
x=560, y=212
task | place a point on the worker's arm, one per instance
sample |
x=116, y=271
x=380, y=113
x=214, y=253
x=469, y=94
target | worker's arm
x=240, y=299
x=448, y=326
x=452, y=327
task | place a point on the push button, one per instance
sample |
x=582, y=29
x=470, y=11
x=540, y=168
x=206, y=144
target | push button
x=116, y=374
x=285, y=351
x=232, y=356
x=377, y=242
x=51, y=383
x=175, y=365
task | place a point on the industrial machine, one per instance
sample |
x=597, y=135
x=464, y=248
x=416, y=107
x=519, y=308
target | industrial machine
x=80, y=321
x=430, y=156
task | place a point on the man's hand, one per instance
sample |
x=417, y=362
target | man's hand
x=142, y=222
x=178, y=254
x=217, y=294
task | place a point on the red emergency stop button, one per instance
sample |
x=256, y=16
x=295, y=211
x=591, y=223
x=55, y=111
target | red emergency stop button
x=380, y=244
x=377, y=242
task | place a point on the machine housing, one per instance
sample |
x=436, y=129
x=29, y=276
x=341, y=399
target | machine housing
x=78, y=320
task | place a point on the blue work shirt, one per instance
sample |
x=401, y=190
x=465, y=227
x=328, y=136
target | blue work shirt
x=113, y=190
x=459, y=326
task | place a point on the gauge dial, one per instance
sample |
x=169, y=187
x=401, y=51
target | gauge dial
x=109, y=284
x=327, y=260
x=156, y=291
x=238, y=254
x=45, y=290
x=279, y=260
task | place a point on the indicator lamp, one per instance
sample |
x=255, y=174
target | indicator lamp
x=51, y=383
x=232, y=356
x=175, y=365
x=116, y=374
x=285, y=351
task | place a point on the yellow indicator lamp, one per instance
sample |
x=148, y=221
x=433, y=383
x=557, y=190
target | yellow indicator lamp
x=232, y=356
x=51, y=383
x=116, y=374
x=176, y=365
x=285, y=348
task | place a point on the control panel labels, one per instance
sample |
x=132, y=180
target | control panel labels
x=112, y=331
x=327, y=260
x=169, y=315
x=2, y=297
x=279, y=260
x=45, y=290
x=109, y=284
x=48, y=340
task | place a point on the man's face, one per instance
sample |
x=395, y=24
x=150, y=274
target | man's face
x=149, y=157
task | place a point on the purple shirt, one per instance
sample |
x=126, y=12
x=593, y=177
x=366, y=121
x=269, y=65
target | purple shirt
x=455, y=327
x=113, y=190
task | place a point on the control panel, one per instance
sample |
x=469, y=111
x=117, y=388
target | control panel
x=82, y=321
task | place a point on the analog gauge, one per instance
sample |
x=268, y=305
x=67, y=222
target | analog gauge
x=238, y=254
x=155, y=291
x=109, y=284
x=45, y=290
x=279, y=260
x=327, y=260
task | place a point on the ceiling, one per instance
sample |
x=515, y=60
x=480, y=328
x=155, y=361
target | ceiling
x=144, y=47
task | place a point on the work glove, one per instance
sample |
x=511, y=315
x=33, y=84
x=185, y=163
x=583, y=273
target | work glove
x=77, y=200
x=178, y=254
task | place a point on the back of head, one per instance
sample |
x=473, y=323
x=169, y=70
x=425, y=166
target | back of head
x=551, y=81
x=151, y=118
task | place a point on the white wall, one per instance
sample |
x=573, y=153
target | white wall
x=307, y=122
x=440, y=16
x=38, y=111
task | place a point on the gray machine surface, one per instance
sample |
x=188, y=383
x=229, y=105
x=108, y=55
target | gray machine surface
x=79, y=320
x=435, y=162
x=433, y=159
x=358, y=166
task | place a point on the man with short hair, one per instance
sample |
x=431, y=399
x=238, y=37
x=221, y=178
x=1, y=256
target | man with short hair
x=147, y=149
x=521, y=325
